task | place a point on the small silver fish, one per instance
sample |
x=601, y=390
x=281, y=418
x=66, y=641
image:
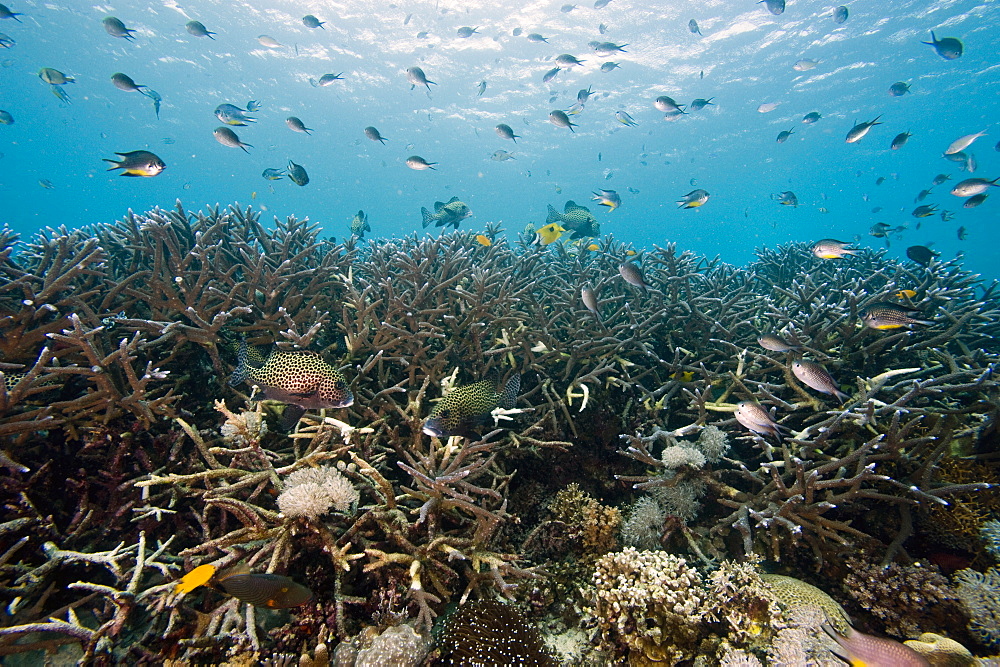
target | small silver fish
x=589, y=299
x=757, y=419
x=775, y=343
x=633, y=276
x=816, y=377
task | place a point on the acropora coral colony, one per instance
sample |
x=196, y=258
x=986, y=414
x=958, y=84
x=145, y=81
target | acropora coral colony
x=664, y=489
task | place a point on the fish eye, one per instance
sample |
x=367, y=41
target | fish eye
x=445, y=413
x=339, y=384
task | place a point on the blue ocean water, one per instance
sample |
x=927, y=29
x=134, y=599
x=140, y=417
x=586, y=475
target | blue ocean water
x=745, y=57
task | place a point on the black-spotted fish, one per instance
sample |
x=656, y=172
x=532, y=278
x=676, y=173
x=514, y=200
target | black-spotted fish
x=273, y=591
x=575, y=218
x=359, y=225
x=883, y=315
x=296, y=377
x=465, y=410
x=451, y=212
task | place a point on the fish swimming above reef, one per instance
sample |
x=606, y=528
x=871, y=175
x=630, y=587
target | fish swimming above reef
x=299, y=378
x=921, y=254
x=227, y=137
x=816, y=377
x=137, y=163
x=198, y=29
x=757, y=419
x=608, y=198
x=465, y=410
x=859, y=130
x=359, y=225
x=632, y=274
x=575, y=218
x=230, y=114
x=549, y=233
x=297, y=174
x=786, y=198
x=832, y=249
x=451, y=212
x=883, y=315
x=417, y=163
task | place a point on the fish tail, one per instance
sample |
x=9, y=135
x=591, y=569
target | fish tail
x=508, y=395
x=553, y=216
x=428, y=217
x=114, y=162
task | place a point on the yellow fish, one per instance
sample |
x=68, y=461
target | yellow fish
x=253, y=195
x=199, y=576
x=683, y=376
x=549, y=233
x=593, y=246
x=630, y=253
x=905, y=294
x=483, y=240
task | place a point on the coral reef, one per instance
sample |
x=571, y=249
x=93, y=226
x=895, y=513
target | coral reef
x=130, y=460
x=980, y=594
x=488, y=632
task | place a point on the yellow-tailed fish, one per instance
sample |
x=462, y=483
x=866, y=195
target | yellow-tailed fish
x=905, y=294
x=199, y=576
x=832, y=249
x=593, y=247
x=882, y=315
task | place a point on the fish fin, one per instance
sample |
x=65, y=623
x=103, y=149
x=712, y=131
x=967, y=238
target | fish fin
x=428, y=217
x=553, y=216
x=451, y=201
x=291, y=416
x=570, y=205
x=508, y=393
x=438, y=205
x=128, y=174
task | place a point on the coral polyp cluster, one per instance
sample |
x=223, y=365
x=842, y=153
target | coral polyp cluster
x=131, y=459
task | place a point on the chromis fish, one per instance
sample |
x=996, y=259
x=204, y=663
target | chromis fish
x=805, y=65
x=608, y=198
x=921, y=254
x=560, y=119
x=54, y=77
x=693, y=199
x=633, y=276
x=465, y=32
x=832, y=249
x=775, y=343
x=816, y=377
x=900, y=140
x=297, y=174
x=359, y=225
x=296, y=125
x=962, y=233
x=811, y=117
x=227, y=137
x=567, y=60
x=551, y=74
x=605, y=49
x=253, y=105
x=312, y=22
x=298, y=378
x=700, y=103
x=668, y=105
x=924, y=211
x=624, y=118
x=974, y=201
x=536, y=38
x=272, y=591
x=783, y=136
x=786, y=198
x=899, y=89
x=417, y=163
x=859, y=130
x=373, y=134
x=885, y=315
x=549, y=233
x=5, y=13
x=6, y=41
x=137, y=163
x=948, y=48
x=116, y=28
x=198, y=29
x=575, y=218
x=755, y=418
x=608, y=66
x=775, y=7
x=6, y=118
x=327, y=79
x=230, y=114
x=416, y=77
x=501, y=156
x=269, y=42
x=505, y=131
x=451, y=212
x=840, y=14
x=124, y=82
x=465, y=410
x=273, y=174
x=481, y=88
x=693, y=27
x=962, y=143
